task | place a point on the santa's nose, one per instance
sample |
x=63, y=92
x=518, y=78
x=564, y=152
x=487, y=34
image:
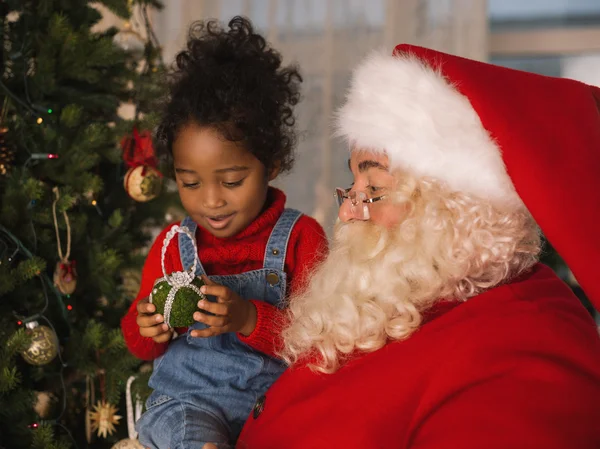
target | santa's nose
x=349, y=211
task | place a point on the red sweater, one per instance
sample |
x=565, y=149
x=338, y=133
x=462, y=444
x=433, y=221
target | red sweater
x=517, y=367
x=234, y=255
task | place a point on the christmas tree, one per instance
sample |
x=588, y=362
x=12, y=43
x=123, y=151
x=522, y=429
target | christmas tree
x=76, y=180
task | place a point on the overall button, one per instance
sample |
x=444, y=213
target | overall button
x=259, y=406
x=273, y=278
x=275, y=252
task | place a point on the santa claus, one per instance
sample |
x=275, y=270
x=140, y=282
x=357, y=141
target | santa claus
x=432, y=325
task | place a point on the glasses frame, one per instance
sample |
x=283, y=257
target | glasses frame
x=344, y=194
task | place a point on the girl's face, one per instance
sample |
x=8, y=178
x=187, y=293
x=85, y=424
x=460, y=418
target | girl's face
x=222, y=186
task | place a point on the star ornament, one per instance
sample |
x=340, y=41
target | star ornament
x=104, y=418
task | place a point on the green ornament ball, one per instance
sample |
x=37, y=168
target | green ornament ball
x=184, y=304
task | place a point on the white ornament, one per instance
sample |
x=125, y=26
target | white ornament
x=128, y=444
x=132, y=417
x=129, y=39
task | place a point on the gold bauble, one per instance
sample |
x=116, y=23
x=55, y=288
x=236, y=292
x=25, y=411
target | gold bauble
x=142, y=183
x=43, y=347
x=128, y=444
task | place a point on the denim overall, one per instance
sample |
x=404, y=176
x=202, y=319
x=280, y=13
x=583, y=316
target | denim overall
x=205, y=388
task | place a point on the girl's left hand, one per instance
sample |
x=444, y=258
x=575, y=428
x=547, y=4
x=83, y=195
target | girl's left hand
x=231, y=312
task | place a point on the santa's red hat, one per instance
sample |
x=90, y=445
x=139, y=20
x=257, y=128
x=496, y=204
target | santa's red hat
x=507, y=136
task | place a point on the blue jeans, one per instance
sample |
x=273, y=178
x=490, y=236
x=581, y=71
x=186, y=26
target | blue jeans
x=205, y=388
x=177, y=425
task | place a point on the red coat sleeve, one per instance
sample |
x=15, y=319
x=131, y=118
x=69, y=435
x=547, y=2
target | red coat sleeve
x=143, y=347
x=544, y=395
x=306, y=249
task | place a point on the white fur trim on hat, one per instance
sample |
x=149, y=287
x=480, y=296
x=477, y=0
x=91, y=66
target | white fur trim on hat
x=403, y=107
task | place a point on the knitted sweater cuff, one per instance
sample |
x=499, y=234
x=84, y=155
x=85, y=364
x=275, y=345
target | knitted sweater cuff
x=142, y=347
x=265, y=337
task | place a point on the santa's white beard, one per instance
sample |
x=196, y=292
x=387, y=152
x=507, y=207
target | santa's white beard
x=376, y=282
x=372, y=288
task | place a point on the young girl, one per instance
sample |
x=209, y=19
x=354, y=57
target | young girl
x=230, y=129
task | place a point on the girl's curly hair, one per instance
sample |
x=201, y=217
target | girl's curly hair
x=232, y=81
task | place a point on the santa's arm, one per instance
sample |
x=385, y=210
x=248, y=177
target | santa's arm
x=537, y=402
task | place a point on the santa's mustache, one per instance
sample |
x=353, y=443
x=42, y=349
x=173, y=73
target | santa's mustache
x=362, y=240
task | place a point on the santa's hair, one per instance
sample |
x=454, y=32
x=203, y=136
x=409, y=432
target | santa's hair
x=377, y=282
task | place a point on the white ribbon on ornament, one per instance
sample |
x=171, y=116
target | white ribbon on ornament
x=177, y=279
x=131, y=417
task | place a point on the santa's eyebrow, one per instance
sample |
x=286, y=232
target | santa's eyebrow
x=363, y=166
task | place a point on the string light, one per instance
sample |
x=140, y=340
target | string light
x=95, y=204
x=37, y=156
x=40, y=120
x=69, y=307
x=12, y=256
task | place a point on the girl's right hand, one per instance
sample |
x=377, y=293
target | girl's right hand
x=152, y=324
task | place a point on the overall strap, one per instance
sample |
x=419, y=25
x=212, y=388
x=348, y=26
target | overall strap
x=278, y=240
x=186, y=250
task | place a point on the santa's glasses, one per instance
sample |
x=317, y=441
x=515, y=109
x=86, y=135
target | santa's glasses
x=359, y=202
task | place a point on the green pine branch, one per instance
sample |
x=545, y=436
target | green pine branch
x=64, y=85
x=44, y=438
x=10, y=377
x=26, y=270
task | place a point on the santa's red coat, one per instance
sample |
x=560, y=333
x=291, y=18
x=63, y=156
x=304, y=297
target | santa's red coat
x=517, y=367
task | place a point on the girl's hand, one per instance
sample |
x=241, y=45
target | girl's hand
x=209, y=446
x=152, y=324
x=232, y=313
